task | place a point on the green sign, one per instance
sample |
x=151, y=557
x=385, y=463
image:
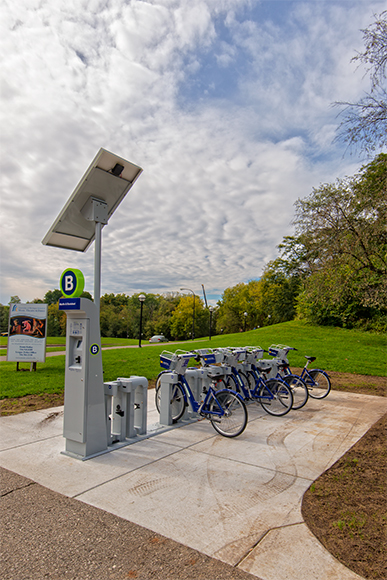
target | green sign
x=72, y=283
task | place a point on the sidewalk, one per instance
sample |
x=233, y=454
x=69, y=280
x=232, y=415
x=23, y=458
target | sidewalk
x=193, y=504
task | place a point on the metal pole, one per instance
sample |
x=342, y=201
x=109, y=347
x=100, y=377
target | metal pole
x=193, y=318
x=139, y=341
x=97, y=265
x=193, y=312
x=209, y=338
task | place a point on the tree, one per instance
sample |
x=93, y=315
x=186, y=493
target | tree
x=279, y=293
x=4, y=316
x=181, y=319
x=52, y=296
x=112, y=315
x=231, y=308
x=56, y=320
x=364, y=124
x=262, y=300
x=342, y=229
x=158, y=314
x=14, y=300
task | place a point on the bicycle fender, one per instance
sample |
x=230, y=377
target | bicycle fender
x=230, y=391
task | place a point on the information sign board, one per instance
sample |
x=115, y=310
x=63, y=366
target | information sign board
x=27, y=333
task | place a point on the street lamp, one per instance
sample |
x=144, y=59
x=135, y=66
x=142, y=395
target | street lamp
x=211, y=309
x=193, y=311
x=245, y=315
x=141, y=299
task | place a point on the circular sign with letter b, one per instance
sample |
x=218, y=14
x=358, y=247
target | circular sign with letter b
x=94, y=349
x=72, y=283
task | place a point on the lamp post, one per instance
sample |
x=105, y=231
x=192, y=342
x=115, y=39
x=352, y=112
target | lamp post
x=211, y=309
x=193, y=311
x=141, y=299
x=245, y=315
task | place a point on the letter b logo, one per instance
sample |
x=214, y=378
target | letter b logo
x=72, y=283
x=68, y=283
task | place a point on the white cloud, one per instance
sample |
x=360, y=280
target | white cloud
x=221, y=172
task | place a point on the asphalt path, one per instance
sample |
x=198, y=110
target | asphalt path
x=62, y=352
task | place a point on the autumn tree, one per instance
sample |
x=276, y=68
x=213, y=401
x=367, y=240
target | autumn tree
x=182, y=318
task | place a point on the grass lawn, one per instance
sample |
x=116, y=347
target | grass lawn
x=336, y=349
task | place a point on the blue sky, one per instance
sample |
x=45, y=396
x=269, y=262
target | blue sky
x=225, y=104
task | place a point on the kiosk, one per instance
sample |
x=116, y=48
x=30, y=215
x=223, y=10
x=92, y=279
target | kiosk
x=84, y=424
x=102, y=188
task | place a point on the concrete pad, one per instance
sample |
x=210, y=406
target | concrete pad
x=300, y=557
x=16, y=430
x=191, y=434
x=234, y=499
x=44, y=462
x=219, y=507
x=303, y=443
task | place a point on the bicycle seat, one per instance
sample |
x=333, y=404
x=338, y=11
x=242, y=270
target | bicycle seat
x=310, y=358
x=283, y=365
x=264, y=369
x=213, y=377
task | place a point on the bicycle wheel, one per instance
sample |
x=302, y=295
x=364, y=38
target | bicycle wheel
x=234, y=420
x=232, y=383
x=245, y=380
x=252, y=379
x=177, y=400
x=299, y=390
x=276, y=397
x=157, y=389
x=318, y=384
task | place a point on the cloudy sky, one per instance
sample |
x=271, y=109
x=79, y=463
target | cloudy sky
x=225, y=104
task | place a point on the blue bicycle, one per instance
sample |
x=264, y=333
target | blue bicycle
x=317, y=381
x=225, y=409
x=274, y=395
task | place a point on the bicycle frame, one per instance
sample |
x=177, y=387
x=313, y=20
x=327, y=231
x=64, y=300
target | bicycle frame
x=235, y=373
x=305, y=374
x=259, y=382
x=203, y=407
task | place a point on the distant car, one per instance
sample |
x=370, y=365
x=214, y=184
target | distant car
x=158, y=338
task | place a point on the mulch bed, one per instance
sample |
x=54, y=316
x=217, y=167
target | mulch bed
x=345, y=507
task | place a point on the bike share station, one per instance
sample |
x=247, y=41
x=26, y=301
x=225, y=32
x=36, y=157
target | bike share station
x=98, y=416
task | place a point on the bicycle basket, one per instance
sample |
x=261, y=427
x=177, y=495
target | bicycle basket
x=253, y=353
x=182, y=363
x=229, y=358
x=168, y=360
x=175, y=361
x=207, y=357
x=279, y=350
x=240, y=353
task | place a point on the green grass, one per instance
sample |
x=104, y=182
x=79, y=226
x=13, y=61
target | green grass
x=336, y=349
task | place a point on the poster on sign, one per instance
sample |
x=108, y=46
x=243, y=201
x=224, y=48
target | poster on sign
x=27, y=333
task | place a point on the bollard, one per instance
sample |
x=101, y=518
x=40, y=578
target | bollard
x=166, y=382
x=126, y=401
